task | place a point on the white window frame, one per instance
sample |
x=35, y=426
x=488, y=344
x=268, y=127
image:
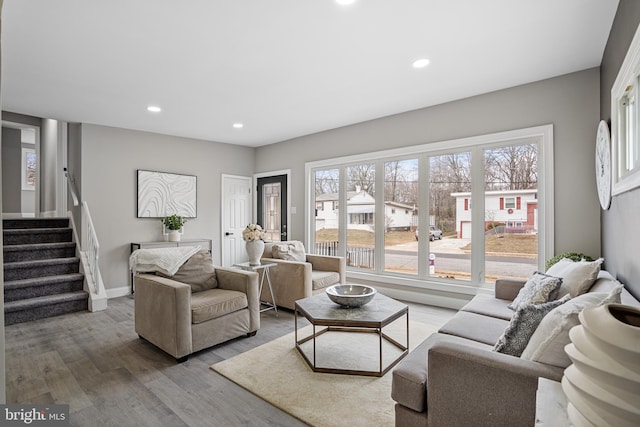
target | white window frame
x=508, y=201
x=476, y=145
x=624, y=121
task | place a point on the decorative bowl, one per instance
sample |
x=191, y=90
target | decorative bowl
x=350, y=295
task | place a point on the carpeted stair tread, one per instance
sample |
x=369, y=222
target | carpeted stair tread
x=42, y=281
x=36, y=251
x=35, y=223
x=15, y=290
x=12, y=306
x=20, y=236
x=36, y=246
x=43, y=307
x=39, y=268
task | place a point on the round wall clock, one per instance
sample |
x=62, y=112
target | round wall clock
x=603, y=164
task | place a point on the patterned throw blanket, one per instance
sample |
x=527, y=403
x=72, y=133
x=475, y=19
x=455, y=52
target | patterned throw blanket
x=163, y=260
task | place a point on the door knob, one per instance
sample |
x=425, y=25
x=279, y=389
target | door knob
x=228, y=234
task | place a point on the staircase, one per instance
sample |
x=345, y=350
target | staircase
x=41, y=270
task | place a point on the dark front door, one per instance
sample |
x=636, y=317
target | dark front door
x=272, y=207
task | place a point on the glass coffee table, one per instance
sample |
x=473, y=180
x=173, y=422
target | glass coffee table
x=326, y=316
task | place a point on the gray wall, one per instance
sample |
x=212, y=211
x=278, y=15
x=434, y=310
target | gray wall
x=11, y=170
x=570, y=103
x=621, y=223
x=48, y=165
x=110, y=159
x=74, y=167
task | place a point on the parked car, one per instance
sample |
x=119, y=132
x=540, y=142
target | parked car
x=434, y=233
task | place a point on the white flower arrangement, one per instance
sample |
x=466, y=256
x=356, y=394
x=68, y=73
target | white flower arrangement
x=252, y=232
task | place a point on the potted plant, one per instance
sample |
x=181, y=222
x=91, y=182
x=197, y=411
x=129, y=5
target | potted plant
x=174, y=224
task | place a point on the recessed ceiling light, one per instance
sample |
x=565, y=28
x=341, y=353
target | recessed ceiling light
x=154, y=108
x=238, y=125
x=345, y=2
x=421, y=63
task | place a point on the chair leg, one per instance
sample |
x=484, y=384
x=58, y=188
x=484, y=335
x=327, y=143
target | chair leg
x=252, y=334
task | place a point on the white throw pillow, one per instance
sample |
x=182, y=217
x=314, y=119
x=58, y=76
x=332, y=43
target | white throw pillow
x=552, y=335
x=577, y=276
x=289, y=251
x=539, y=288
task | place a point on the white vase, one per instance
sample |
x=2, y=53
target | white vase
x=255, y=248
x=174, y=235
x=603, y=383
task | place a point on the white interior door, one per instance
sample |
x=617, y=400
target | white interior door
x=236, y=214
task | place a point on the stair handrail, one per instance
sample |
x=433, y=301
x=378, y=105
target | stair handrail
x=71, y=183
x=90, y=246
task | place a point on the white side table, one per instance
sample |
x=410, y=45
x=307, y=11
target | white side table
x=264, y=266
x=551, y=404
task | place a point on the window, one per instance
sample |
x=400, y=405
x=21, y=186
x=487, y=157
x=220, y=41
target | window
x=400, y=190
x=409, y=220
x=510, y=203
x=361, y=192
x=625, y=116
x=325, y=224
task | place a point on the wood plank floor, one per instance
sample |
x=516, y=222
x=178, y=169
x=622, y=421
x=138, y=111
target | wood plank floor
x=96, y=363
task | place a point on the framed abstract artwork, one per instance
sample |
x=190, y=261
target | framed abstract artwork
x=162, y=194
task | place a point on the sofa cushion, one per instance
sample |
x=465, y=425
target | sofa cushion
x=214, y=303
x=322, y=279
x=489, y=306
x=522, y=326
x=289, y=251
x=552, y=335
x=476, y=327
x=539, y=288
x=577, y=276
x=198, y=272
x=409, y=378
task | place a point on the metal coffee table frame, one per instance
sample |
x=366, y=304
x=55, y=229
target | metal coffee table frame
x=363, y=324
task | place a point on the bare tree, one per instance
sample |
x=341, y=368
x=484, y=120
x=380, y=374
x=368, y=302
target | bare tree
x=363, y=176
x=327, y=181
x=514, y=167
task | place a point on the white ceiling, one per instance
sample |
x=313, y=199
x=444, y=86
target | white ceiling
x=283, y=68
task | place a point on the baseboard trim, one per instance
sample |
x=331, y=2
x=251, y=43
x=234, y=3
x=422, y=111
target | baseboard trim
x=454, y=302
x=118, y=292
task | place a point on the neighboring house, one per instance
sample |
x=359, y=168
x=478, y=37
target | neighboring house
x=516, y=209
x=360, y=209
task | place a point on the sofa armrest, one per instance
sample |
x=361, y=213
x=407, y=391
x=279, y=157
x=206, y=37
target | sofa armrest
x=291, y=281
x=163, y=313
x=471, y=386
x=329, y=263
x=247, y=283
x=508, y=289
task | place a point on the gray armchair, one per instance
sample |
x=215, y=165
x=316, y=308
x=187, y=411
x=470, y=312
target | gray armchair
x=180, y=322
x=294, y=280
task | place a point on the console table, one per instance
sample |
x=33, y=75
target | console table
x=203, y=243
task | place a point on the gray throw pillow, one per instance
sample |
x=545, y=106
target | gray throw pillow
x=198, y=272
x=539, y=288
x=522, y=326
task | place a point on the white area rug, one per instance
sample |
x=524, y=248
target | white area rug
x=277, y=373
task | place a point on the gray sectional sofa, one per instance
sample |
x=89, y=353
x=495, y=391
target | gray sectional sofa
x=454, y=378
